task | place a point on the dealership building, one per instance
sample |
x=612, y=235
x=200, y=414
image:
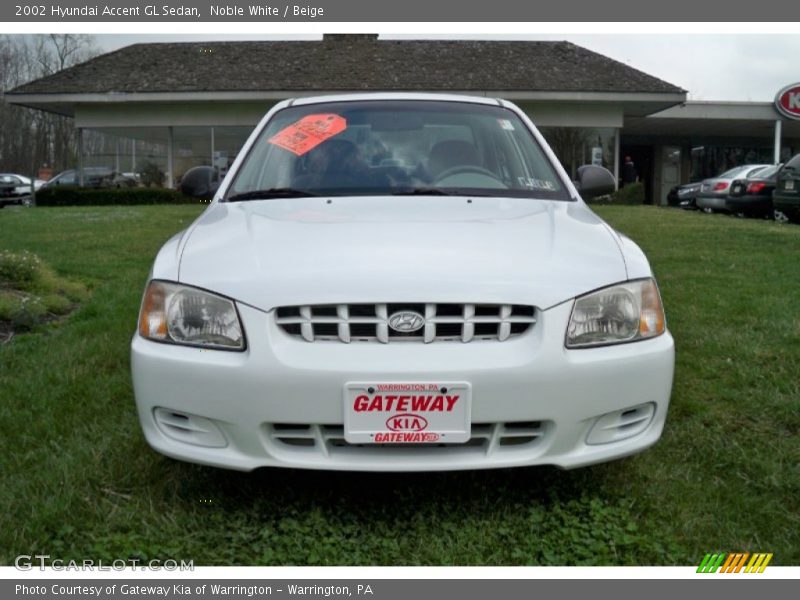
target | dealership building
x=179, y=105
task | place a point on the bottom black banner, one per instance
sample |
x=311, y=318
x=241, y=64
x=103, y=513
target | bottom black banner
x=395, y=589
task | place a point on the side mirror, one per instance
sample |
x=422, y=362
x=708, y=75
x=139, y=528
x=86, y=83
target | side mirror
x=595, y=181
x=200, y=182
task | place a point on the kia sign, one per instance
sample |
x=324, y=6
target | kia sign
x=788, y=101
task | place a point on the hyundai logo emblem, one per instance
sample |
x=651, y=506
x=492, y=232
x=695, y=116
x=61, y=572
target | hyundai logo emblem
x=406, y=321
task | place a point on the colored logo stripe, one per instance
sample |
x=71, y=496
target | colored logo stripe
x=758, y=563
x=734, y=563
x=710, y=563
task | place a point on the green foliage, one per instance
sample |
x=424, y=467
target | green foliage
x=630, y=194
x=19, y=269
x=151, y=175
x=19, y=311
x=76, y=196
x=31, y=292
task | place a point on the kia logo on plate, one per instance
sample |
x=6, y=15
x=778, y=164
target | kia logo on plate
x=788, y=101
x=406, y=422
x=406, y=321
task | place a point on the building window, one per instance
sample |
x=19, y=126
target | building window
x=577, y=146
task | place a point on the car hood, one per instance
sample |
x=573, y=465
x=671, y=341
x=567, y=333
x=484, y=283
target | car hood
x=298, y=251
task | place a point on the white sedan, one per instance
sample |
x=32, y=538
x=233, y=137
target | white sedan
x=16, y=189
x=401, y=282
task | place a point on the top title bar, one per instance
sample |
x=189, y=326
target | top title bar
x=375, y=11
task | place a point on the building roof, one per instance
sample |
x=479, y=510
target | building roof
x=704, y=119
x=352, y=63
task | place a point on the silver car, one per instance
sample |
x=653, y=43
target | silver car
x=714, y=191
x=16, y=189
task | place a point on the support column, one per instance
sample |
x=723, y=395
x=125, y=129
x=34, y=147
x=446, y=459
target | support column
x=116, y=157
x=80, y=156
x=616, y=158
x=170, y=161
x=212, y=146
x=778, y=127
x=133, y=156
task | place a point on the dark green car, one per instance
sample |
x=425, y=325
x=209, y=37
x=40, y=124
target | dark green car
x=786, y=198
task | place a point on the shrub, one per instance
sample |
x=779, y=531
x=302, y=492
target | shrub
x=151, y=175
x=28, y=312
x=19, y=270
x=76, y=196
x=632, y=193
x=32, y=293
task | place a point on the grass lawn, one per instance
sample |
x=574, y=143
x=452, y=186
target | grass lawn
x=77, y=479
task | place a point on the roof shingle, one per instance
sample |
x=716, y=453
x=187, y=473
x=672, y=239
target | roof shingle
x=349, y=63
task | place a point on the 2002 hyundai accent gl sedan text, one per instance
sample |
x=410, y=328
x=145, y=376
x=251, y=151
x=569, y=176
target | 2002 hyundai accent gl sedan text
x=401, y=282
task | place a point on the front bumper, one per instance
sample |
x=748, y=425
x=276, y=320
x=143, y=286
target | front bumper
x=236, y=405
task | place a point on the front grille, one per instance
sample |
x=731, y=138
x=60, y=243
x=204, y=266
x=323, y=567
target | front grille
x=371, y=322
x=485, y=438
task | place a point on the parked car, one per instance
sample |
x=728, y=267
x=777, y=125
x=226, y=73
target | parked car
x=684, y=195
x=93, y=177
x=16, y=189
x=714, y=192
x=786, y=197
x=401, y=282
x=752, y=196
x=7, y=195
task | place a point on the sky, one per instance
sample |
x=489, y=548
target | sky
x=718, y=67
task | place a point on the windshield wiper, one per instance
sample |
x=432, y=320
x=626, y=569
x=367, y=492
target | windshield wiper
x=271, y=193
x=424, y=192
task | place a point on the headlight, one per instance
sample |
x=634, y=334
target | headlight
x=620, y=313
x=179, y=314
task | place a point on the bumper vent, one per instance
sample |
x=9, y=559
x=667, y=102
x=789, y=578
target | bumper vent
x=430, y=322
x=328, y=440
x=621, y=424
x=189, y=429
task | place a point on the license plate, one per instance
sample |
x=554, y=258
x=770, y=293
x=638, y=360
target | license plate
x=789, y=184
x=407, y=413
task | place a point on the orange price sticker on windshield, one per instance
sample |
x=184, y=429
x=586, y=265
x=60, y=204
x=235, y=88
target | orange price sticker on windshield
x=309, y=132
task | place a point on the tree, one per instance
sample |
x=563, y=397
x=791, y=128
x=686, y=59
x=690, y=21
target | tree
x=30, y=139
x=569, y=145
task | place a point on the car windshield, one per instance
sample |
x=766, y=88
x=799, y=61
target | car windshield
x=396, y=147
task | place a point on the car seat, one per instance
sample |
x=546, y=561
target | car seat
x=451, y=153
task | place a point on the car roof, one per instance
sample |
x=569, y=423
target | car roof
x=305, y=100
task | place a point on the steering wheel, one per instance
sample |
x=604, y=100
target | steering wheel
x=457, y=170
